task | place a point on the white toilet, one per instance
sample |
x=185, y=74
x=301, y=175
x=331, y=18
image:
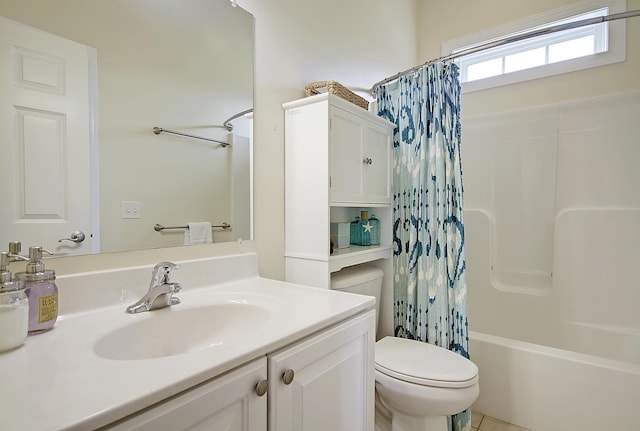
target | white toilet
x=417, y=384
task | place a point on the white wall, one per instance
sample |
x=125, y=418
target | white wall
x=355, y=43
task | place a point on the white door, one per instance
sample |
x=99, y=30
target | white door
x=326, y=382
x=45, y=137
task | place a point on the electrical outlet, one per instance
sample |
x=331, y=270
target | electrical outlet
x=130, y=209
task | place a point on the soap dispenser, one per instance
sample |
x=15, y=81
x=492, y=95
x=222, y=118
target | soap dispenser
x=14, y=308
x=42, y=292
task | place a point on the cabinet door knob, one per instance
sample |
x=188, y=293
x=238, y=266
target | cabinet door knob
x=367, y=161
x=261, y=387
x=287, y=377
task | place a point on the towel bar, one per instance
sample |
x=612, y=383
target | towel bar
x=158, y=227
x=158, y=130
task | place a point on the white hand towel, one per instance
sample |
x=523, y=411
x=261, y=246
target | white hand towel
x=198, y=233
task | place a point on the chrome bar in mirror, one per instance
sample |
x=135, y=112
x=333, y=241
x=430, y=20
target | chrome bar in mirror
x=157, y=130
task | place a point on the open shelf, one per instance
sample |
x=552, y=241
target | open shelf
x=356, y=254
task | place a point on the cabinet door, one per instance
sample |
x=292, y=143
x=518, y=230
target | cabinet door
x=360, y=154
x=346, y=161
x=228, y=403
x=332, y=386
x=377, y=170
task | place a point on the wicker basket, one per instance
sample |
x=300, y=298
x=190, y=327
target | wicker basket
x=339, y=90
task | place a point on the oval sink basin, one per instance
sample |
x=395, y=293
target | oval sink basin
x=174, y=331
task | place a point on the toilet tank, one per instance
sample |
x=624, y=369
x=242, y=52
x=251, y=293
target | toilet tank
x=361, y=279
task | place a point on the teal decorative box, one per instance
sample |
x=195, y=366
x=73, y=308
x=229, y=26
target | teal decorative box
x=340, y=232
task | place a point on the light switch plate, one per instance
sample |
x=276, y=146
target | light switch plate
x=130, y=209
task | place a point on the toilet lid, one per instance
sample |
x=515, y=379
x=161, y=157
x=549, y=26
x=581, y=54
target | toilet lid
x=423, y=363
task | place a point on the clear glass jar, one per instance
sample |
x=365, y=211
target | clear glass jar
x=14, y=315
x=354, y=232
x=364, y=231
x=375, y=230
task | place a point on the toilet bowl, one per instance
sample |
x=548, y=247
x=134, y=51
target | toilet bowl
x=417, y=384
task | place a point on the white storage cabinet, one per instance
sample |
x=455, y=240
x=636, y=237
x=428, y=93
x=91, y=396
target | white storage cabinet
x=337, y=163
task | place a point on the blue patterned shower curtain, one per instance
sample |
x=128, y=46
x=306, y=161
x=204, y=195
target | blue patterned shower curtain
x=429, y=260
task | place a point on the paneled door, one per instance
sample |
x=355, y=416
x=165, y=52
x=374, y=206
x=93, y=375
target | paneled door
x=325, y=382
x=46, y=140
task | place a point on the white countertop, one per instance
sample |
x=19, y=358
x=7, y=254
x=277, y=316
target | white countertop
x=57, y=381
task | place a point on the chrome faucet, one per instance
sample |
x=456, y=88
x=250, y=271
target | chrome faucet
x=160, y=292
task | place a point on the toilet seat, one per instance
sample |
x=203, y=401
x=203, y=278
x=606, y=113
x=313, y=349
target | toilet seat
x=423, y=364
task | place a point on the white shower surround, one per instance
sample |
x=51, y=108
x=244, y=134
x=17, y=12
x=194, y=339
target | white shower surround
x=557, y=343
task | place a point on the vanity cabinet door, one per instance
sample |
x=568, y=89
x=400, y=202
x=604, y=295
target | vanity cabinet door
x=227, y=403
x=325, y=382
x=360, y=154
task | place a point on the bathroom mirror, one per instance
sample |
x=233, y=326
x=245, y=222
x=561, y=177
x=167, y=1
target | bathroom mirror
x=184, y=66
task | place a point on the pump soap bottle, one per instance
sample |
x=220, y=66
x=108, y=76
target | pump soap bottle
x=14, y=308
x=42, y=292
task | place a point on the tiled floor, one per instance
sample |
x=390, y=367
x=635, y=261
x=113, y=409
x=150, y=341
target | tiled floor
x=480, y=422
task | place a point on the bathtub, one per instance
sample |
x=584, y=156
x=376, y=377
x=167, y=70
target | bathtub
x=562, y=355
x=567, y=356
x=547, y=389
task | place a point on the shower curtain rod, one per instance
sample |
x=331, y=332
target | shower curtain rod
x=510, y=39
x=227, y=123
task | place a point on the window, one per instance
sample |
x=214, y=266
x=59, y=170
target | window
x=545, y=55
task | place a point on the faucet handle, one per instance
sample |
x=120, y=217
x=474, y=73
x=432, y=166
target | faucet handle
x=162, y=273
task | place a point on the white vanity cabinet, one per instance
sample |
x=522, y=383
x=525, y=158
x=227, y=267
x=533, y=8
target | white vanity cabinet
x=153, y=378
x=230, y=402
x=337, y=163
x=325, y=382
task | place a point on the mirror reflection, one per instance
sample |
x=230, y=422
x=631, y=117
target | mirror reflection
x=84, y=82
